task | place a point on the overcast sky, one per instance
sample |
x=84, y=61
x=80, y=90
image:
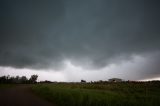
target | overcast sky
x=70, y=40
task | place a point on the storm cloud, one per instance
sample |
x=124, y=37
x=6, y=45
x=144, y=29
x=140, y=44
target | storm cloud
x=89, y=33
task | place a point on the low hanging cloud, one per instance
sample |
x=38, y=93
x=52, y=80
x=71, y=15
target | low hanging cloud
x=90, y=34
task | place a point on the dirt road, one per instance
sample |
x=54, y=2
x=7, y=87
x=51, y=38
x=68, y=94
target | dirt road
x=21, y=96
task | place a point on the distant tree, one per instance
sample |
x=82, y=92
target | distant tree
x=33, y=78
x=11, y=80
x=17, y=79
x=3, y=79
x=7, y=77
x=24, y=79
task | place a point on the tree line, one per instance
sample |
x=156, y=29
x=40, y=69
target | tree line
x=18, y=80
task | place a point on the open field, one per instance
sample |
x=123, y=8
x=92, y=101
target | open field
x=109, y=94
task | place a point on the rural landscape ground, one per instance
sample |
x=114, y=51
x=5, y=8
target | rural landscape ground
x=20, y=95
x=81, y=94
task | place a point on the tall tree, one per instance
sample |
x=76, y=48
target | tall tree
x=33, y=78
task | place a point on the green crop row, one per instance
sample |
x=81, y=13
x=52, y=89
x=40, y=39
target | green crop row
x=114, y=94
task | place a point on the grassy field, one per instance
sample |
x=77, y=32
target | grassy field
x=4, y=86
x=109, y=94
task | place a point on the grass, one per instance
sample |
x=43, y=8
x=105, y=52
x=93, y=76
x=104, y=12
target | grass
x=4, y=86
x=110, y=94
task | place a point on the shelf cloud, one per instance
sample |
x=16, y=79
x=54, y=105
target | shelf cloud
x=91, y=34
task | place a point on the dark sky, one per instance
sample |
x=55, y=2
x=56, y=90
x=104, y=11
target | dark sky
x=91, y=34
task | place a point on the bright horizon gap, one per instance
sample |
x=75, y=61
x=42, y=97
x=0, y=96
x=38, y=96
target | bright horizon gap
x=72, y=73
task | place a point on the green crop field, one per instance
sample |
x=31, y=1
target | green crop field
x=108, y=94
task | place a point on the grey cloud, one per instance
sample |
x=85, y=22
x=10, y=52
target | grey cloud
x=91, y=34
